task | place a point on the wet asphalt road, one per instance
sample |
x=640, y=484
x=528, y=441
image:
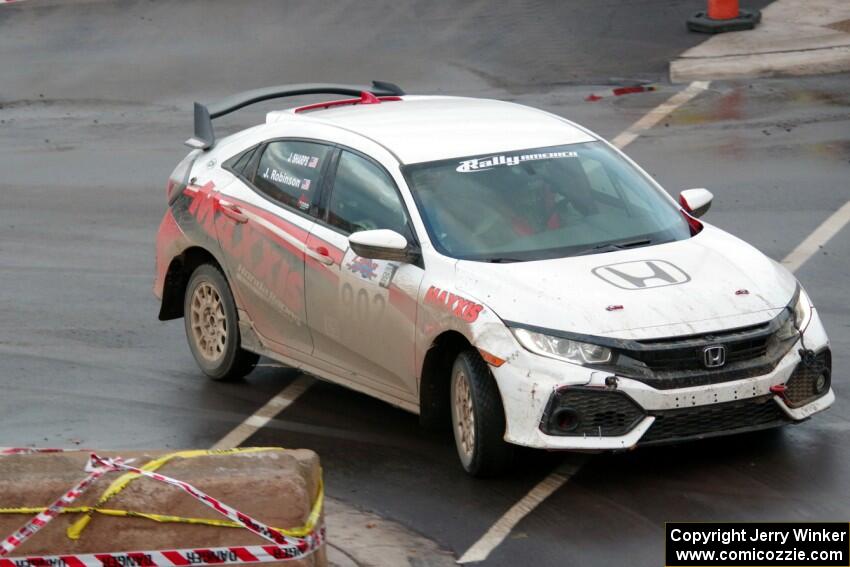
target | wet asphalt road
x=95, y=98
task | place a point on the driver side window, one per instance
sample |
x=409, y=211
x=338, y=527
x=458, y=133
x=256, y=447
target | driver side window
x=364, y=197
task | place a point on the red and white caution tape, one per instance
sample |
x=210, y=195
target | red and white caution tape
x=285, y=548
x=620, y=91
x=44, y=517
x=302, y=545
x=31, y=450
x=166, y=558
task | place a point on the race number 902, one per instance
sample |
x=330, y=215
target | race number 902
x=362, y=307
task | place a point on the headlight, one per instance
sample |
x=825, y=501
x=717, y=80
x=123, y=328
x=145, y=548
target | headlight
x=801, y=314
x=562, y=349
x=803, y=310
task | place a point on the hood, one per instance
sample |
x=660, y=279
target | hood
x=707, y=283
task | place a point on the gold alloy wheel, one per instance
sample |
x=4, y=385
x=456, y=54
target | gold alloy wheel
x=464, y=421
x=209, y=324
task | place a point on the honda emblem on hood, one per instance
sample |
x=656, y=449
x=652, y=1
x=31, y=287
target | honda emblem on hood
x=642, y=274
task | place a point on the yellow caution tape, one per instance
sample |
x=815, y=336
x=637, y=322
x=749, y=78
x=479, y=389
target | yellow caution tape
x=76, y=529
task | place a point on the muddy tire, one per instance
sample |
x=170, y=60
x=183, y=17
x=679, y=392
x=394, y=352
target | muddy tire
x=478, y=417
x=212, y=327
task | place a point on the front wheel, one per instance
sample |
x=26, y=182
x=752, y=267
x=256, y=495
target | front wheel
x=212, y=328
x=478, y=417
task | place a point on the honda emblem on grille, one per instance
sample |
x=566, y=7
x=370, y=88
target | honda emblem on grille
x=714, y=356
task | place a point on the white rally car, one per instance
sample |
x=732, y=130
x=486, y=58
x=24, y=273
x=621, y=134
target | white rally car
x=481, y=263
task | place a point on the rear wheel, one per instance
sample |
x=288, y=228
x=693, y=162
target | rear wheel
x=212, y=327
x=478, y=417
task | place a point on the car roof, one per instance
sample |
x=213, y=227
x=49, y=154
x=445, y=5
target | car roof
x=430, y=128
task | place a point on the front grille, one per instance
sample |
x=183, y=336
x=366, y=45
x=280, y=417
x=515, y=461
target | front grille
x=746, y=350
x=591, y=412
x=678, y=362
x=687, y=354
x=801, y=387
x=716, y=419
x=688, y=379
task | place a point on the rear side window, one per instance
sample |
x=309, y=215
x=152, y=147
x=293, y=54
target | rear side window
x=289, y=172
x=365, y=198
x=239, y=162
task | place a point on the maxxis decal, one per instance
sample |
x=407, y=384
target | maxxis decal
x=460, y=307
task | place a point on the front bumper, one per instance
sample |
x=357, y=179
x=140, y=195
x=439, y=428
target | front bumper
x=637, y=414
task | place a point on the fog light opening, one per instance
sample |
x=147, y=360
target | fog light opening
x=821, y=383
x=566, y=419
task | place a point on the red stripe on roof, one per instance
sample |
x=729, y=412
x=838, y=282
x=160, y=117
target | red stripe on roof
x=365, y=98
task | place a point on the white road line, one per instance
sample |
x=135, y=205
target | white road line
x=658, y=113
x=265, y=414
x=821, y=235
x=500, y=530
x=482, y=548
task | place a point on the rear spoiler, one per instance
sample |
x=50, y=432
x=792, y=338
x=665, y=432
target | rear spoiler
x=204, y=137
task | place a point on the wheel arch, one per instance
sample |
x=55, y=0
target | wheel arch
x=177, y=278
x=435, y=378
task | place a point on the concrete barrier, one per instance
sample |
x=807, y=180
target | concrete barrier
x=274, y=486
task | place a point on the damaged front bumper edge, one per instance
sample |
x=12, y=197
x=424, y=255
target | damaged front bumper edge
x=661, y=416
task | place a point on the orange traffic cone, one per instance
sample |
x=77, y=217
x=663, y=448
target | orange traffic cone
x=722, y=16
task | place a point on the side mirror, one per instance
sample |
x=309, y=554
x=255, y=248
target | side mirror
x=382, y=244
x=696, y=201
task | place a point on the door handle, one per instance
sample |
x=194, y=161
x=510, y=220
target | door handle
x=232, y=211
x=321, y=254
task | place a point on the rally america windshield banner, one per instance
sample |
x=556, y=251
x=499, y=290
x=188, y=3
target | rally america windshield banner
x=485, y=163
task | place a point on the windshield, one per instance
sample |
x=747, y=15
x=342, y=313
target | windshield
x=541, y=203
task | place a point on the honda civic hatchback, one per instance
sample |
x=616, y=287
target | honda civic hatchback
x=482, y=264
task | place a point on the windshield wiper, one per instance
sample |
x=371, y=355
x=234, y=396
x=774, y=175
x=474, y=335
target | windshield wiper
x=598, y=249
x=502, y=260
x=613, y=246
